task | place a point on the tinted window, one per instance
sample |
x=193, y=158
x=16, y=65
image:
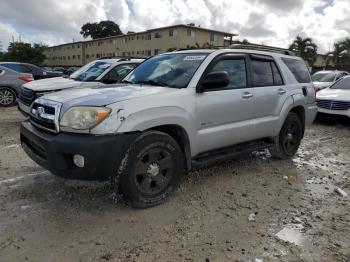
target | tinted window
x=119, y=72
x=277, y=78
x=298, y=69
x=262, y=73
x=26, y=69
x=342, y=84
x=15, y=67
x=236, y=70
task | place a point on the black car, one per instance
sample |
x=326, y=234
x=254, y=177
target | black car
x=37, y=72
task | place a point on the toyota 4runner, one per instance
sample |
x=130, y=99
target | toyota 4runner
x=174, y=112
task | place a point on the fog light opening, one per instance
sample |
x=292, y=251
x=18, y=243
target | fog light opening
x=79, y=160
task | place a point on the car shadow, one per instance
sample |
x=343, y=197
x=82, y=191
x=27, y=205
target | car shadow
x=332, y=120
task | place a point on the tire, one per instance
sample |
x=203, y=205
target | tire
x=288, y=141
x=151, y=170
x=7, y=97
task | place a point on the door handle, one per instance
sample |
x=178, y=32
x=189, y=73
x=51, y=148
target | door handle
x=281, y=91
x=247, y=95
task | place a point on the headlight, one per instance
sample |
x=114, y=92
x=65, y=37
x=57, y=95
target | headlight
x=84, y=117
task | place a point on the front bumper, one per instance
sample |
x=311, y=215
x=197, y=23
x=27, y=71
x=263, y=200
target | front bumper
x=55, y=152
x=24, y=109
x=334, y=112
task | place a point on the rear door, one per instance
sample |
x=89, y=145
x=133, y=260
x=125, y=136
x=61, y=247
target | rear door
x=224, y=116
x=270, y=93
x=302, y=75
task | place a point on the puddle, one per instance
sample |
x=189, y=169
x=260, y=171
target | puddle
x=292, y=233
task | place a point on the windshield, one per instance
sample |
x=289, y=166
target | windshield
x=90, y=71
x=171, y=70
x=342, y=84
x=323, y=77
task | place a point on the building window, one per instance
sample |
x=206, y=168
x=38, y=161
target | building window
x=149, y=52
x=157, y=35
x=73, y=57
x=78, y=56
x=99, y=43
x=213, y=37
x=156, y=51
x=172, y=33
x=87, y=56
x=191, y=33
x=148, y=37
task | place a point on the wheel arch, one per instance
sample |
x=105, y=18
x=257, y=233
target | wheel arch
x=179, y=134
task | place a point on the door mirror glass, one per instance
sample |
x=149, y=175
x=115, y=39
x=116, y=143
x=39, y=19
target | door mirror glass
x=214, y=80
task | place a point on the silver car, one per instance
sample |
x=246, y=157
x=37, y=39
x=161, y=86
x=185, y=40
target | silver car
x=324, y=79
x=10, y=83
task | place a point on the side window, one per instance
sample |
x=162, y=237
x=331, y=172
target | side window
x=277, y=78
x=119, y=72
x=26, y=69
x=298, y=69
x=2, y=72
x=236, y=70
x=262, y=73
x=15, y=67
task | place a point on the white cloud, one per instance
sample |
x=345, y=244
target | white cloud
x=273, y=22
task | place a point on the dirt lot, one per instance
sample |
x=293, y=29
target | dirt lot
x=229, y=212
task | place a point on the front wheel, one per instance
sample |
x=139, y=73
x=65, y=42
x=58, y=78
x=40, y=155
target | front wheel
x=289, y=138
x=7, y=97
x=150, y=170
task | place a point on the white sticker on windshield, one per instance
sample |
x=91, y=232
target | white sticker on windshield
x=194, y=58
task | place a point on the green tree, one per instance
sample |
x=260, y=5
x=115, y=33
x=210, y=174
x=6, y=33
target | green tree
x=243, y=42
x=340, y=55
x=100, y=30
x=25, y=52
x=305, y=48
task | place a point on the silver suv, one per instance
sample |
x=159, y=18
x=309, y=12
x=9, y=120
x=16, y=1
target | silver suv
x=174, y=112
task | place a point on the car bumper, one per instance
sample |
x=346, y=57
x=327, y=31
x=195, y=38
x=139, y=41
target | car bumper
x=102, y=154
x=24, y=109
x=334, y=112
x=310, y=114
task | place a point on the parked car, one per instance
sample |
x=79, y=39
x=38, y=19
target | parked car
x=10, y=83
x=96, y=73
x=324, y=79
x=173, y=112
x=335, y=99
x=70, y=70
x=37, y=72
x=58, y=69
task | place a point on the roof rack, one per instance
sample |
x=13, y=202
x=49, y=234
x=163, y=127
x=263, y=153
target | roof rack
x=263, y=48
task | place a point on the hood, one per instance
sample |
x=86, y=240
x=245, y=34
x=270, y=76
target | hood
x=334, y=94
x=56, y=83
x=322, y=85
x=104, y=95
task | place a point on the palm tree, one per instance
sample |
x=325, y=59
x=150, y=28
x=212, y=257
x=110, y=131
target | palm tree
x=335, y=55
x=305, y=48
x=341, y=53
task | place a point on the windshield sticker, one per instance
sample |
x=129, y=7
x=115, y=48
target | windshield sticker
x=194, y=58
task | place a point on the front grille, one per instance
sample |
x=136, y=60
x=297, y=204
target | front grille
x=43, y=115
x=333, y=105
x=26, y=96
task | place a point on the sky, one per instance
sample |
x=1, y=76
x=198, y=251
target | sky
x=269, y=22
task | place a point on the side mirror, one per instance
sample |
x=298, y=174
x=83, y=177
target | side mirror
x=214, y=80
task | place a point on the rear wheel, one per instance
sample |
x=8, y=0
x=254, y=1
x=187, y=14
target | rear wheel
x=151, y=169
x=289, y=138
x=7, y=97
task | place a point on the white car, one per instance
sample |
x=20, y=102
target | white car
x=94, y=74
x=335, y=99
x=324, y=79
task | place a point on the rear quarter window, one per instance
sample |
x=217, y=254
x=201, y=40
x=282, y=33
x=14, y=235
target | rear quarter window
x=298, y=69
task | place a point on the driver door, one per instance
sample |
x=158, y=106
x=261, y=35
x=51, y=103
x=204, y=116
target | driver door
x=225, y=115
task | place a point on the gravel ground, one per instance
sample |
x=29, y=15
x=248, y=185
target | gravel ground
x=228, y=212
